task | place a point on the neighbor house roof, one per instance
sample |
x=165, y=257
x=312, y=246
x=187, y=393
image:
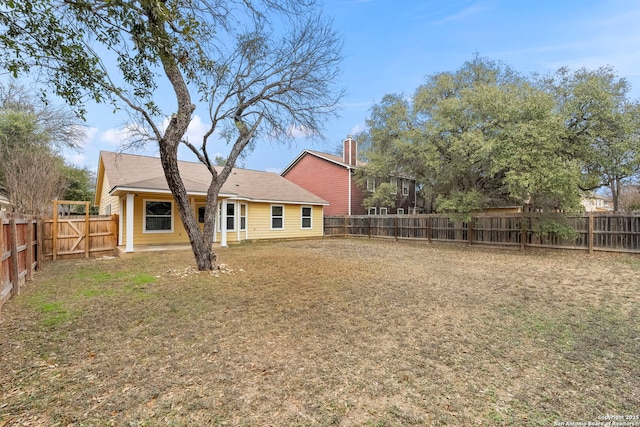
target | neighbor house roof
x=129, y=173
x=338, y=160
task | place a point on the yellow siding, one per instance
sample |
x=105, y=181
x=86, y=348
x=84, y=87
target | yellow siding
x=179, y=234
x=106, y=199
x=258, y=223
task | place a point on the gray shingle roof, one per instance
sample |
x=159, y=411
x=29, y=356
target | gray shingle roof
x=129, y=171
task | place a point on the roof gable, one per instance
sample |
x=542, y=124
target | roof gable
x=129, y=172
x=332, y=158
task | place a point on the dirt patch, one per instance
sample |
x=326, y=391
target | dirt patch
x=332, y=332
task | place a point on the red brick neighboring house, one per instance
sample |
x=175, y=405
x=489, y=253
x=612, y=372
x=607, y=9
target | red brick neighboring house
x=331, y=177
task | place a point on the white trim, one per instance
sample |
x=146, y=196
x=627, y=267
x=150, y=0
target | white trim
x=120, y=227
x=235, y=225
x=144, y=217
x=383, y=211
x=223, y=223
x=400, y=211
x=405, y=186
x=271, y=216
x=370, y=209
x=229, y=196
x=130, y=202
x=349, y=197
x=240, y=229
x=310, y=227
x=315, y=154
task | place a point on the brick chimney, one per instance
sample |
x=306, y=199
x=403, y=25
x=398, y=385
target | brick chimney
x=350, y=151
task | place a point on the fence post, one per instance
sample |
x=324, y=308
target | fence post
x=346, y=229
x=54, y=246
x=395, y=227
x=523, y=231
x=40, y=243
x=14, y=270
x=590, y=232
x=429, y=228
x=2, y=251
x=470, y=227
x=30, y=223
x=87, y=234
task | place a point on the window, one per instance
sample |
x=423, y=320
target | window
x=383, y=211
x=306, y=216
x=394, y=185
x=158, y=216
x=277, y=217
x=201, y=211
x=107, y=209
x=405, y=187
x=243, y=216
x=400, y=211
x=231, y=216
x=371, y=184
x=372, y=211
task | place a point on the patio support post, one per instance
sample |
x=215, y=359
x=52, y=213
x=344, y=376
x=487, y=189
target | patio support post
x=223, y=224
x=129, y=228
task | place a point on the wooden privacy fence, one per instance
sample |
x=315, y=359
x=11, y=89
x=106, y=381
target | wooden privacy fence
x=20, y=253
x=589, y=232
x=79, y=236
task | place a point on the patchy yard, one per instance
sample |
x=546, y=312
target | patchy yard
x=334, y=332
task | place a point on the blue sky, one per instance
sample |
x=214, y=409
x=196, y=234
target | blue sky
x=391, y=45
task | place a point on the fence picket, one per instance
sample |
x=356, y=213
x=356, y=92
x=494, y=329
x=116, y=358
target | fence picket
x=593, y=231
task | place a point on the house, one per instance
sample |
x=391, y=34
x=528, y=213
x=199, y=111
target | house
x=252, y=205
x=332, y=178
x=596, y=203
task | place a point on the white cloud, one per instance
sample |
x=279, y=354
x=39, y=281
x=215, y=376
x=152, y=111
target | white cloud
x=77, y=160
x=115, y=137
x=360, y=127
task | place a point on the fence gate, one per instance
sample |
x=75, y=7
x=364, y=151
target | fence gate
x=78, y=236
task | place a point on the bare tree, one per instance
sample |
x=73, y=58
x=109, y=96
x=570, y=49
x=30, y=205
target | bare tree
x=62, y=128
x=263, y=68
x=32, y=179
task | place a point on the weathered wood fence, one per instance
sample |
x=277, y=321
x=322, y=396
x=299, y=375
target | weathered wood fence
x=588, y=232
x=20, y=253
x=79, y=236
x=26, y=241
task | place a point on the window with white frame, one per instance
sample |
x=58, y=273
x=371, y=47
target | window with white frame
x=231, y=216
x=383, y=211
x=371, y=184
x=400, y=211
x=158, y=216
x=372, y=211
x=394, y=185
x=107, y=209
x=243, y=216
x=305, y=213
x=405, y=187
x=277, y=217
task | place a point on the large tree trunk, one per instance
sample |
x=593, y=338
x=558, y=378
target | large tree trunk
x=200, y=245
x=615, y=186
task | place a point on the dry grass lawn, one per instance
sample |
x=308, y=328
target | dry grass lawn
x=349, y=332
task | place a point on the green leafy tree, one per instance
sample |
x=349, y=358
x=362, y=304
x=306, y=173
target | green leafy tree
x=385, y=149
x=602, y=126
x=477, y=137
x=262, y=68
